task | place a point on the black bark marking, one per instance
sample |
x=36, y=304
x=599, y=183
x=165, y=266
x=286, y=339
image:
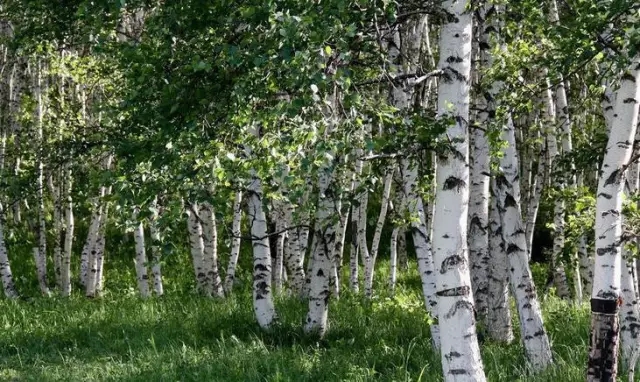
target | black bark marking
x=451, y=262
x=454, y=182
x=453, y=292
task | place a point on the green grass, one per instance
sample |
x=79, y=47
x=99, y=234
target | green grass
x=183, y=337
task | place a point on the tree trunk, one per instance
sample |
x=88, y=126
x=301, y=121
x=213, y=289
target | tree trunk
x=8, y=285
x=140, y=261
x=603, y=347
x=478, y=240
x=197, y=248
x=65, y=269
x=235, y=243
x=210, y=250
x=498, y=312
x=460, y=352
x=369, y=267
x=41, y=254
x=156, y=252
x=536, y=343
x=262, y=297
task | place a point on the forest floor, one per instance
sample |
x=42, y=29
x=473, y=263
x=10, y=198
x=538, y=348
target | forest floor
x=184, y=337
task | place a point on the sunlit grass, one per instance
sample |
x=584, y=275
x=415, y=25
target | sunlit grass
x=184, y=337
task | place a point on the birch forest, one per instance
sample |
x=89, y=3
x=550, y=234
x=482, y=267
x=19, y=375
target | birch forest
x=325, y=190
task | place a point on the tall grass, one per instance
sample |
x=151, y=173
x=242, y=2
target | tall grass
x=184, y=337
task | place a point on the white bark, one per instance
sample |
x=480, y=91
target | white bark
x=629, y=311
x=370, y=265
x=422, y=245
x=156, y=252
x=210, y=250
x=197, y=248
x=355, y=225
x=537, y=185
x=478, y=239
x=294, y=256
x=559, y=275
x=93, y=250
x=41, y=263
x=140, y=261
x=100, y=246
x=498, y=313
x=41, y=271
x=460, y=352
x=322, y=263
x=585, y=260
x=6, y=275
x=262, y=297
x=534, y=337
x=393, y=259
x=65, y=269
x=608, y=226
x=235, y=243
x=86, y=258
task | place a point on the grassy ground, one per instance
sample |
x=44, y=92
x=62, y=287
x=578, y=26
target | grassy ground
x=183, y=337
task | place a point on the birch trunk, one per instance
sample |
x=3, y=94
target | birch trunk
x=294, y=257
x=322, y=262
x=603, y=347
x=197, y=248
x=585, y=260
x=41, y=254
x=533, y=334
x=324, y=237
x=559, y=275
x=100, y=246
x=140, y=261
x=355, y=225
x=422, y=245
x=537, y=185
x=460, y=352
x=156, y=253
x=370, y=266
x=478, y=240
x=629, y=312
x=87, y=257
x=8, y=285
x=235, y=243
x=69, y=226
x=262, y=297
x=498, y=313
x=210, y=250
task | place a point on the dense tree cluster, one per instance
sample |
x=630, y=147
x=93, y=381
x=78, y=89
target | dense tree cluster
x=328, y=133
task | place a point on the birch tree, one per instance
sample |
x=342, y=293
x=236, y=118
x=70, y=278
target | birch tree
x=603, y=345
x=459, y=345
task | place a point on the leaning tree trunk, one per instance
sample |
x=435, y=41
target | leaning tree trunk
x=460, y=352
x=369, y=267
x=603, y=346
x=534, y=337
